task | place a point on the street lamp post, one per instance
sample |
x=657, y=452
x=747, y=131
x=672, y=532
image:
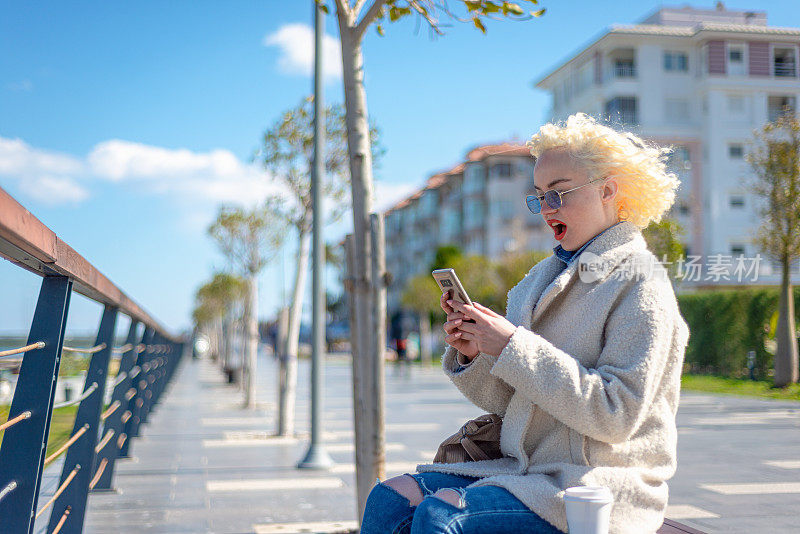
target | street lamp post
x=317, y=457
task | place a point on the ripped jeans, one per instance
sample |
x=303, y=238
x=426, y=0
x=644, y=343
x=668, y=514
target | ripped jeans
x=484, y=509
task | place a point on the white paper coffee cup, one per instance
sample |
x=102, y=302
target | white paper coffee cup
x=588, y=509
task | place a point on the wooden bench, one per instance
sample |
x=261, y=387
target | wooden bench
x=673, y=527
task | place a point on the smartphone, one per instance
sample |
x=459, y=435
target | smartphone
x=448, y=281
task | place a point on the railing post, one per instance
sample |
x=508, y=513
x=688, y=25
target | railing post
x=114, y=422
x=82, y=453
x=25, y=444
x=135, y=403
x=150, y=380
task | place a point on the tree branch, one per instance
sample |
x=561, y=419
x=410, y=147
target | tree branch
x=358, y=7
x=426, y=15
x=368, y=18
x=343, y=7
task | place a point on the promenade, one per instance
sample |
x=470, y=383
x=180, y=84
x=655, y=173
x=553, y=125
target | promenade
x=204, y=465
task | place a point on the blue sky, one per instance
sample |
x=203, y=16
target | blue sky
x=123, y=125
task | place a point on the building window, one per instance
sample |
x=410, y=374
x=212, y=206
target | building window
x=502, y=170
x=677, y=110
x=783, y=62
x=624, y=68
x=737, y=250
x=623, y=109
x=683, y=209
x=736, y=59
x=735, y=151
x=737, y=202
x=474, y=179
x=676, y=62
x=504, y=210
x=778, y=106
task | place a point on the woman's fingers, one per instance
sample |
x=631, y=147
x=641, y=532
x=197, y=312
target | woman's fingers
x=453, y=338
x=449, y=326
x=481, y=307
x=455, y=315
x=470, y=312
x=467, y=336
x=443, y=302
x=465, y=326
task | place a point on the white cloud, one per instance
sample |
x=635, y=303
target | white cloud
x=18, y=159
x=296, y=43
x=43, y=175
x=54, y=190
x=197, y=177
x=119, y=160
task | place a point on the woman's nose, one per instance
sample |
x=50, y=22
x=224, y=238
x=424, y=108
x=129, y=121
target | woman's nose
x=547, y=210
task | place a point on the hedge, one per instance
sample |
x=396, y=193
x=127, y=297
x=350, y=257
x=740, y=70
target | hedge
x=725, y=325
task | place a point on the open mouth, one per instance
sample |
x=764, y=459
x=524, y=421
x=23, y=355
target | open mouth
x=559, y=228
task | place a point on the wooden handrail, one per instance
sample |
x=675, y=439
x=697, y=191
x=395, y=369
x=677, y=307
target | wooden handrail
x=28, y=243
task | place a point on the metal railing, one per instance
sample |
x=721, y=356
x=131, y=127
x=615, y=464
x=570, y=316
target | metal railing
x=98, y=437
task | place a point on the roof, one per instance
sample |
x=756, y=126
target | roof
x=673, y=31
x=511, y=149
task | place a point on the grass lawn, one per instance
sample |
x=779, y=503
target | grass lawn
x=733, y=386
x=60, y=425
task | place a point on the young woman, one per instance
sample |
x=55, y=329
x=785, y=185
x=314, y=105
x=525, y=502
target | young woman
x=585, y=366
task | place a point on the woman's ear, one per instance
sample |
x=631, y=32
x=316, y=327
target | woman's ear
x=610, y=189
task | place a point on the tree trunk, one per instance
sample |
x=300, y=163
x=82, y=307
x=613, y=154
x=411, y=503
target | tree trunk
x=283, y=327
x=251, y=340
x=227, y=342
x=288, y=392
x=367, y=320
x=786, y=357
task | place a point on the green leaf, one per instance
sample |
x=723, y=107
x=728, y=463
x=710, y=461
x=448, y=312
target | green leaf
x=379, y=29
x=478, y=24
x=472, y=6
x=490, y=7
x=324, y=9
x=538, y=13
x=511, y=7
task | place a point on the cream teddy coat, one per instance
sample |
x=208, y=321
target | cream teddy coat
x=588, y=385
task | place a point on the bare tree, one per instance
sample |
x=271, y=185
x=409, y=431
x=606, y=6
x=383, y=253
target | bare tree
x=287, y=153
x=775, y=159
x=249, y=239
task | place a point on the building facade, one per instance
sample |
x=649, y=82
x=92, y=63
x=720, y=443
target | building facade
x=700, y=81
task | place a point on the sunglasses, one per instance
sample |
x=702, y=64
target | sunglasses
x=551, y=197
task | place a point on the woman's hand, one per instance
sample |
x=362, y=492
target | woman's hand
x=490, y=331
x=454, y=320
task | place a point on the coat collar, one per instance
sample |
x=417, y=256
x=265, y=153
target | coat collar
x=612, y=247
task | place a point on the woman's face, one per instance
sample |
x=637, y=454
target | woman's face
x=585, y=212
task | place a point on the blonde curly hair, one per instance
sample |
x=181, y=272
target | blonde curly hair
x=646, y=189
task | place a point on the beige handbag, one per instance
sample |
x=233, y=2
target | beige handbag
x=478, y=439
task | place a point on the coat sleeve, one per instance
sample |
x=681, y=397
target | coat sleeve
x=476, y=383
x=643, y=334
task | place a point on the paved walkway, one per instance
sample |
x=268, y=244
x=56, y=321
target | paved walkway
x=205, y=465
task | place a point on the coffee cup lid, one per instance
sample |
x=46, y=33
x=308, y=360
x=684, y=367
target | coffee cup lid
x=589, y=493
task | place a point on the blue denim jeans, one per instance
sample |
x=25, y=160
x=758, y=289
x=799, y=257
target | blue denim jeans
x=486, y=509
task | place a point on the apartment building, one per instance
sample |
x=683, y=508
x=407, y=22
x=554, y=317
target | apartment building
x=478, y=205
x=701, y=81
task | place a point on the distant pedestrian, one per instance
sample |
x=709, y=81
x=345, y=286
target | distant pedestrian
x=399, y=330
x=585, y=367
